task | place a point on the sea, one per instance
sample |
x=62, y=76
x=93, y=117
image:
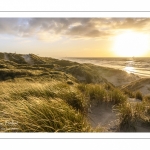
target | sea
x=137, y=65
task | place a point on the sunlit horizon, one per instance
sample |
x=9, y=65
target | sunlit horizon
x=131, y=43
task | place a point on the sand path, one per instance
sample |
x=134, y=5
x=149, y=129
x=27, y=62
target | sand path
x=104, y=116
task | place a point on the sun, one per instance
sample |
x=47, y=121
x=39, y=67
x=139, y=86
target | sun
x=130, y=43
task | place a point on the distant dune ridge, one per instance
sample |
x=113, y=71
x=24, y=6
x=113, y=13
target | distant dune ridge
x=86, y=72
x=84, y=97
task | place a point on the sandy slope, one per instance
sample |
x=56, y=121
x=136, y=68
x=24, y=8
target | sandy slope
x=6, y=57
x=28, y=59
x=115, y=76
x=120, y=78
x=142, y=85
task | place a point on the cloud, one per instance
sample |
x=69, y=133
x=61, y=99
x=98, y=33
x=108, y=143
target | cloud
x=53, y=28
x=130, y=23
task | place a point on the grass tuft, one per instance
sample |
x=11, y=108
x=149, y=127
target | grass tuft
x=138, y=95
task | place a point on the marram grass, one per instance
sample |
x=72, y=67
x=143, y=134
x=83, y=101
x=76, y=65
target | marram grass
x=40, y=115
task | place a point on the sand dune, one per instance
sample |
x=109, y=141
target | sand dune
x=118, y=77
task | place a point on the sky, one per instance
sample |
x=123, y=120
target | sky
x=76, y=37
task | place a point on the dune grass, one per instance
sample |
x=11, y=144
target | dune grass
x=138, y=95
x=41, y=115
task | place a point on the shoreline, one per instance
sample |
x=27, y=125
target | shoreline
x=126, y=68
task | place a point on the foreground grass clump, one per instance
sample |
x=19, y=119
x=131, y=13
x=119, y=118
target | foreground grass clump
x=117, y=97
x=75, y=99
x=132, y=115
x=100, y=93
x=97, y=93
x=138, y=95
x=126, y=117
x=40, y=115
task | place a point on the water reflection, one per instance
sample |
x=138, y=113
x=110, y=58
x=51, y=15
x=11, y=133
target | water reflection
x=129, y=69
